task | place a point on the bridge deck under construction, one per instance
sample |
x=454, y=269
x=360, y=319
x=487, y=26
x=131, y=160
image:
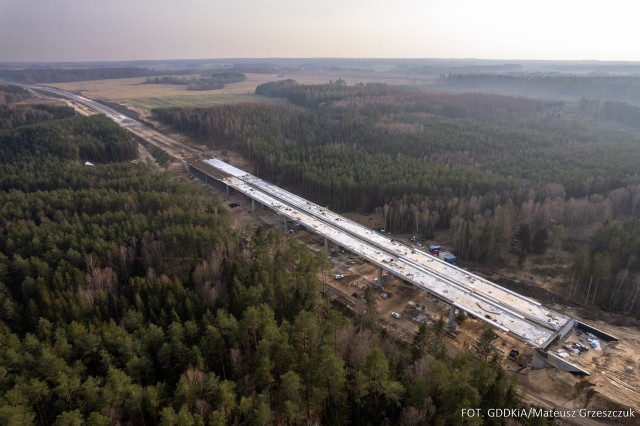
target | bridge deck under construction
x=522, y=317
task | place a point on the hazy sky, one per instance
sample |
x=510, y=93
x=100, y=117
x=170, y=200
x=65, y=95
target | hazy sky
x=75, y=30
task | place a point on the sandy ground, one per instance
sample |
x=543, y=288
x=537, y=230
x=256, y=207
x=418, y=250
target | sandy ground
x=41, y=100
x=614, y=368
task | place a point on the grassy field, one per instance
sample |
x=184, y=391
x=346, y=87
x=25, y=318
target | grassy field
x=134, y=91
x=197, y=101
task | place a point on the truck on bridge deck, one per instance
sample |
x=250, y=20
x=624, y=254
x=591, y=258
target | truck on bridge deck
x=447, y=256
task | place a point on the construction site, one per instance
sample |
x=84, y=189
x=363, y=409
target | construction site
x=591, y=365
x=558, y=359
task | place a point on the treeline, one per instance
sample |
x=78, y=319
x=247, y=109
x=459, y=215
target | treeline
x=607, y=270
x=67, y=138
x=64, y=75
x=126, y=298
x=17, y=116
x=313, y=96
x=214, y=82
x=258, y=68
x=384, y=100
x=613, y=88
x=620, y=112
x=167, y=79
x=228, y=77
x=12, y=94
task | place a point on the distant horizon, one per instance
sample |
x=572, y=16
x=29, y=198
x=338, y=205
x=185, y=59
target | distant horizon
x=121, y=30
x=318, y=58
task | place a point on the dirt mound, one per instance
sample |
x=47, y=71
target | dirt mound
x=564, y=390
x=554, y=382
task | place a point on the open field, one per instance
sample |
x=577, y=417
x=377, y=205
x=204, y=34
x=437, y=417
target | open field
x=197, y=101
x=134, y=91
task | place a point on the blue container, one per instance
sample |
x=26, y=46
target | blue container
x=450, y=259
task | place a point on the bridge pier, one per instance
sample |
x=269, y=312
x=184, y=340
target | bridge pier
x=227, y=186
x=326, y=244
x=452, y=319
x=253, y=205
x=285, y=225
x=379, y=275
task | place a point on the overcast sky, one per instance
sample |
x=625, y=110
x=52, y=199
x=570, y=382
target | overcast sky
x=82, y=30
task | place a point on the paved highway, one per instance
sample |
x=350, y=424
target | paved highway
x=170, y=145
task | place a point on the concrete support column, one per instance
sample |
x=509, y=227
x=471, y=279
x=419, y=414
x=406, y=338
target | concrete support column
x=452, y=318
x=227, y=186
x=379, y=275
x=253, y=205
x=326, y=244
x=285, y=225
